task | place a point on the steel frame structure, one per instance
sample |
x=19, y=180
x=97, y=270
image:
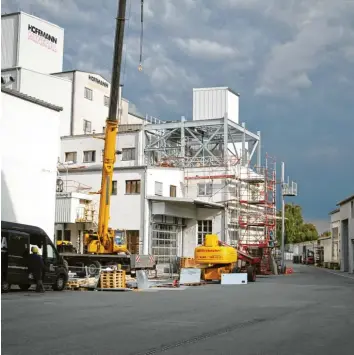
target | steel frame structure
x=188, y=144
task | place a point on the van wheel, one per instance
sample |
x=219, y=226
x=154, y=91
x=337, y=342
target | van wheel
x=24, y=287
x=59, y=283
x=5, y=287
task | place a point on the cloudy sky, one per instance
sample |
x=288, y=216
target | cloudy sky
x=292, y=61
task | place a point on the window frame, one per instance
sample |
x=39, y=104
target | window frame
x=73, y=160
x=130, y=154
x=93, y=155
x=173, y=191
x=114, y=190
x=86, y=124
x=133, y=183
x=88, y=93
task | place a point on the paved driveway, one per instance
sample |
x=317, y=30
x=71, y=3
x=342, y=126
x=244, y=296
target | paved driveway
x=308, y=312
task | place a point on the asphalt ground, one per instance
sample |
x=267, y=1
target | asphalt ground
x=310, y=311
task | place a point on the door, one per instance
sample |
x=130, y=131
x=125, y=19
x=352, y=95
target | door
x=51, y=260
x=18, y=251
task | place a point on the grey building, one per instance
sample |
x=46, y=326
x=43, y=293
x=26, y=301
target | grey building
x=346, y=213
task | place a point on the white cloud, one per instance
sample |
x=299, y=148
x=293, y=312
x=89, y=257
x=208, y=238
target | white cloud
x=205, y=49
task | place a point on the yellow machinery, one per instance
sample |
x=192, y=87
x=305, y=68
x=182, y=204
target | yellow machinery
x=106, y=240
x=64, y=246
x=215, y=259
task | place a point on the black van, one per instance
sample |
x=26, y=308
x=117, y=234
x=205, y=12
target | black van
x=16, y=242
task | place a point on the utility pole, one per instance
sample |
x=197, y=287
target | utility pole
x=286, y=189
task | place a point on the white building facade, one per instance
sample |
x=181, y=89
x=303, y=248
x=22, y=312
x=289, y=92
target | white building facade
x=346, y=214
x=29, y=131
x=32, y=43
x=44, y=87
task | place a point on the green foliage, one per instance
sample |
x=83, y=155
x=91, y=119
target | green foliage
x=326, y=234
x=296, y=230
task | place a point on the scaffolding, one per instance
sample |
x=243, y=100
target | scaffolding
x=216, y=157
x=257, y=213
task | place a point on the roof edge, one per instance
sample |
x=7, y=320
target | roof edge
x=32, y=99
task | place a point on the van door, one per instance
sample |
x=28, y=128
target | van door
x=18, y=251
x=51, y=260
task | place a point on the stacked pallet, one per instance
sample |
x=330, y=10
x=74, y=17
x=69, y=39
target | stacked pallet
x=113, y=279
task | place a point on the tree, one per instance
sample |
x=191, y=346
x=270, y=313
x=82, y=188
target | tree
x=295, y=229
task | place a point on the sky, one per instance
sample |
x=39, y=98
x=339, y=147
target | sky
x=292, y=61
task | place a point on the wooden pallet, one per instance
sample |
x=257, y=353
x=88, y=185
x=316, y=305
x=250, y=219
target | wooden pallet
x=113, y=279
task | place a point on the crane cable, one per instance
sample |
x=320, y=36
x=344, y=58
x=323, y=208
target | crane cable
x=141, y=35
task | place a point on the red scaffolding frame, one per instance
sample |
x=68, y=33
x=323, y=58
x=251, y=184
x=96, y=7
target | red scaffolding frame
x=257, y=217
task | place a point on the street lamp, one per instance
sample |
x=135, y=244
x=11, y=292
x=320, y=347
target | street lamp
x=287, y=189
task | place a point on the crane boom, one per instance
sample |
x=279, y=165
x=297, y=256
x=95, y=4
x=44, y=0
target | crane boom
x=104, y=240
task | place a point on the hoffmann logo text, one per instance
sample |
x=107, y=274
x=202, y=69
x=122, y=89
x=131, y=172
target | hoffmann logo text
x=42, y=38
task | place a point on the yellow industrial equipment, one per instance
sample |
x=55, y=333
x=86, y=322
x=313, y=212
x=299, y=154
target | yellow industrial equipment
x=214, y=258
x=107, y=240
x=64, y=246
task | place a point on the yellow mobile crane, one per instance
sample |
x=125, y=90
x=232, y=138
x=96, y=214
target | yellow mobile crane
x=107, y=246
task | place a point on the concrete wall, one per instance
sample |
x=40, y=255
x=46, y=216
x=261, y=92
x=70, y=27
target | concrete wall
x=29, y=135
x=347, y=236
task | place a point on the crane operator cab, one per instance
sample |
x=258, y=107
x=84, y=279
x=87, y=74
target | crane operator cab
x=114, y=243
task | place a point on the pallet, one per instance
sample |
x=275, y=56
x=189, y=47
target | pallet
x=113, y=279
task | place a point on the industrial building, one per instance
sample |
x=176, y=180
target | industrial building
x=346, y=220
x=174, y=182
x=32, y=63
x=34, y=148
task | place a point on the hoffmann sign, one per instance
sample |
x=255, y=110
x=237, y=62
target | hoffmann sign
x=42, y=38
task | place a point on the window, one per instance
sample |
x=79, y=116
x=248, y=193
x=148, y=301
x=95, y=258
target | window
x=89, y=156
x=133, y=242
x=67, y=235
x=205, y=189
x=173, y=190
x=132, y=187
x=59, y=234
x=71, y=157
x=18, y=244
x=106, y=100
x=51, y=252
x=128, y=154
x=87, y=127
x=158, y=188
x=204, y=228
x=114, y=187
x=88, y=94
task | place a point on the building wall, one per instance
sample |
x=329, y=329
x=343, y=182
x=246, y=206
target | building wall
x=168, y=177
x=9, y=40
x=80, y=144
x=95, y=110
x=216, y=102
x=336, y=237
x=29, y=198
x=44, y=87
x=31, y=43
x=347, y=236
